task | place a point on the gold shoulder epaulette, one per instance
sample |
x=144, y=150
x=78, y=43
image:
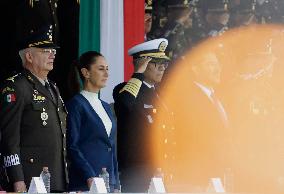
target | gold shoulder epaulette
x=132, y=86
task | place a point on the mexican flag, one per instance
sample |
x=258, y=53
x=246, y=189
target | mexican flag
x=112, y=27
x=10, y=98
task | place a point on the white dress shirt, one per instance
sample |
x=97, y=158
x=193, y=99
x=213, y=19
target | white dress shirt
x=209, y=92
x=96, y=104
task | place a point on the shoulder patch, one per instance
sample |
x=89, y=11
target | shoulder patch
x=10, y=98
x=8, y=89
x=11, y=160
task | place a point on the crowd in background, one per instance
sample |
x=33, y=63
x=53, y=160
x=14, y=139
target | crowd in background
x=185, y=23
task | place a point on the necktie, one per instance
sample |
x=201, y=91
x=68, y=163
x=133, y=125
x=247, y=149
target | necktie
x=47, y=86
x=220, y=108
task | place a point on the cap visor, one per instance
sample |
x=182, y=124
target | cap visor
x=48, y=45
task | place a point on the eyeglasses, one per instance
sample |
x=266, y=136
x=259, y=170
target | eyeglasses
x=49, y=51
x=161, y=64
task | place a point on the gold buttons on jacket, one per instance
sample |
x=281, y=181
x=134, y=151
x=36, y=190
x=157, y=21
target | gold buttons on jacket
x=31, y=160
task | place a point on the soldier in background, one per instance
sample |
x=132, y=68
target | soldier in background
x=217, y=16
x=197, y=31
x=148, y=18
x=270, y=11
x=179, y=12
x=243, y=13
x=159, y=19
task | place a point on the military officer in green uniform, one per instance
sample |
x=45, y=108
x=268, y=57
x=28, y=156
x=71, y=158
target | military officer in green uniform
x=33, y=118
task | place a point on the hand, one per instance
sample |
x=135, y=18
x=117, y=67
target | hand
x=20, y=187
x=90, y=181
x=142, y=64
x=116, y=191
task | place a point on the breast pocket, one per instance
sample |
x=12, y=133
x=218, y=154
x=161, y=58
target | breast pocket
x=40, y=106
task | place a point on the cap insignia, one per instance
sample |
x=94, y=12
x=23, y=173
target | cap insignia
x=162, y=46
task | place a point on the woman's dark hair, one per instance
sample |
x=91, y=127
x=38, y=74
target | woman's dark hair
x=85, y=61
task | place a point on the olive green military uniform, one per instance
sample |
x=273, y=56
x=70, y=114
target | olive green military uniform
x=33, y=127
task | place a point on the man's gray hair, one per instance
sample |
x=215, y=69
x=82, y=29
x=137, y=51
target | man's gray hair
x=22, y=54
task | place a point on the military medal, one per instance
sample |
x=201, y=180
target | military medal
x=44, y=117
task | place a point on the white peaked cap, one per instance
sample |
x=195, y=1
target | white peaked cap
x=154, y=48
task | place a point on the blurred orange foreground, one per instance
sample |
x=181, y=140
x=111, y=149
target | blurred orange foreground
x=242, y=142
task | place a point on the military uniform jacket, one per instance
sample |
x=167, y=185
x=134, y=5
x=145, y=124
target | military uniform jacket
x=202, y=136
x=136, y=114
x=33, y=127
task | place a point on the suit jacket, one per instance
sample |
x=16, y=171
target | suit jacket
x=202, y=138
x=33, y=130
x=89, y=146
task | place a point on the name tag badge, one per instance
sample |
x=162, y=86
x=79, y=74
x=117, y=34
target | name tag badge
x=148, y=106
x=37, y=97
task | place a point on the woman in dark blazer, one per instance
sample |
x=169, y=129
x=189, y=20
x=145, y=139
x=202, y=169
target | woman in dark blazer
x=91, y=127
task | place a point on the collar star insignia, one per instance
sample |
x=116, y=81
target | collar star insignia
x=162, y=46
x=30, y=78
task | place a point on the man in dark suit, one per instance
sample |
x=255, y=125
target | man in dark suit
x=33, y=117
x=135, y=107
x=201, y=124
